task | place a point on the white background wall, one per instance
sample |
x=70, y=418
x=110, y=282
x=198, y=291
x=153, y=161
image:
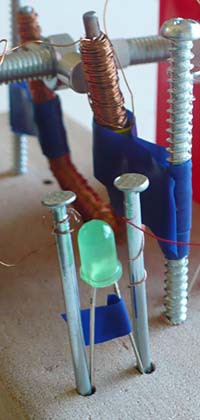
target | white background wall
x=125, y=18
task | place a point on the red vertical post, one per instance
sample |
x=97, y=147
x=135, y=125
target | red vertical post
x=188, y=9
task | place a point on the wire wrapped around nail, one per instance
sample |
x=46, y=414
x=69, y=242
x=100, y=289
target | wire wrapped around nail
x=104, y=93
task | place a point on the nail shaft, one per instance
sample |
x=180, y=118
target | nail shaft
x=131, y=336
x=132, y=185
x=91, y=24
x=57, y=202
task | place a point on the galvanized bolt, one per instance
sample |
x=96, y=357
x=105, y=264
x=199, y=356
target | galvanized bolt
x=132, y=185
x=46, y=62
x=181, y=33
x=57, y=202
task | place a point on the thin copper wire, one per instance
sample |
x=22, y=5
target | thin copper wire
x=140, y=250
x=28, y=25
x=142, y=229
x=2, y=56
x=104, y=93
x=28, y=28
x=40, y=41
x=117, y=57
x=30, y=32
x=6, y=264
x=138, y=283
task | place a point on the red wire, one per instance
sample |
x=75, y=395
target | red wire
x=158, y=238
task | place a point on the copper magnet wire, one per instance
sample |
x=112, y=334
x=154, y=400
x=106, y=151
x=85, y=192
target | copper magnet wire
x=28, y=25
x=29, y=30
x=104, y=93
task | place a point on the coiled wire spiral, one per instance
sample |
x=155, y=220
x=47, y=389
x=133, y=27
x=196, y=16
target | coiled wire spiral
x=105, y=96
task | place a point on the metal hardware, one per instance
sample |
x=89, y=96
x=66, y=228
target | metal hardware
x=57, y=202
x=41, y=61
x=62, y=68
x=132, y=185
x=91, y=24
x=20, y=152
x=181, y=33
x=176, y=288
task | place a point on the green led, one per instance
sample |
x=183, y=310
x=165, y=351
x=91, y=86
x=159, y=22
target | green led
x=100, y=266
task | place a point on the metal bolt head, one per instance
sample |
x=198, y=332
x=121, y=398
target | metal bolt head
x=58, y=199
x=180, y=29
x=131, y=183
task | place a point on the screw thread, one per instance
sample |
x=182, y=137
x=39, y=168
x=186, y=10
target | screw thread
x=20, y=154
x=35, y=63
x=14, y=7
x=181, y=102
x=148, y=49
x=176, y=288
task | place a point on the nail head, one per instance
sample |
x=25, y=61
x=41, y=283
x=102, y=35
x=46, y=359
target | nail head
x=131, y=182
x=58, y=199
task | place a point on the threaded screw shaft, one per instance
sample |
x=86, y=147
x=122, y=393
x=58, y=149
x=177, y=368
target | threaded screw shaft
x=35, y=63
x=148, y=49
x=181, y=102
x=181, y=33
x=176, y=289
x=20, y=154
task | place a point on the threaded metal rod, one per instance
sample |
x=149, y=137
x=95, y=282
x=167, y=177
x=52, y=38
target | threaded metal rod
x=176, y=290
x=148, y=49
x=37, y=62
x=20, y=154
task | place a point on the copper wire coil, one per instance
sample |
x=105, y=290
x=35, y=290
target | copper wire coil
x=28, y=26
x=88, y=202
x=29, y=29
x=104, y=93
